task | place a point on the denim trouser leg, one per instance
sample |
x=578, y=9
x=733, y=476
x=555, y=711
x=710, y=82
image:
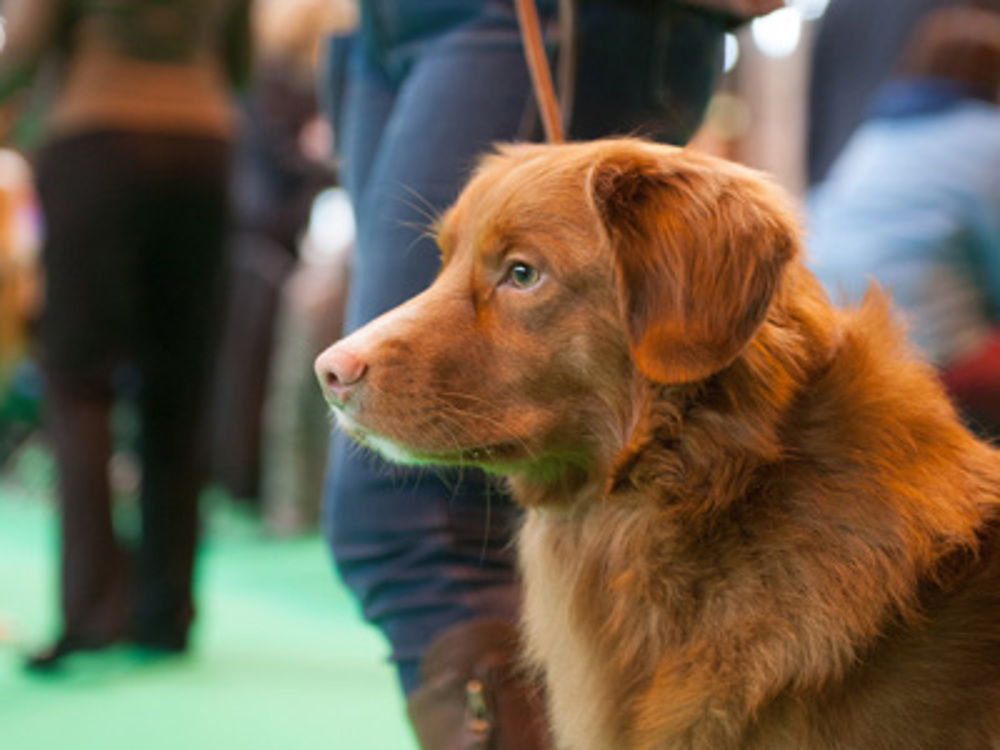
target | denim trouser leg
x=423, y=550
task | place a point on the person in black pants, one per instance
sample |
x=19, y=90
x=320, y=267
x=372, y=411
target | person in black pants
x=136, y=228
x=132, y=174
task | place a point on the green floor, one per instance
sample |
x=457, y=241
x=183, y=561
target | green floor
x=281, y=659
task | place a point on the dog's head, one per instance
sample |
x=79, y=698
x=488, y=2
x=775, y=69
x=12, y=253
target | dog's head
x=572, y=276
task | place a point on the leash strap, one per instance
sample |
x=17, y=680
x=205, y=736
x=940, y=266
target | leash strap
x=541, y=73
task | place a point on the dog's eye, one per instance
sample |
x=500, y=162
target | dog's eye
x=522, y=275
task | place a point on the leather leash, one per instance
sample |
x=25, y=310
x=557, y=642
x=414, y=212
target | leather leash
x=541, y=72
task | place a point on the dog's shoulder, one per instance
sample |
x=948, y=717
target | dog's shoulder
x=933, y=681
x=876, y=419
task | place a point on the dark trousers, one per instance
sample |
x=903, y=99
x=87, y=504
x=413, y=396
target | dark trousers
x=135, y=235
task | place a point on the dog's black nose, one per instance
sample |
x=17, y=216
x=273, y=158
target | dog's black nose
x=339, y=370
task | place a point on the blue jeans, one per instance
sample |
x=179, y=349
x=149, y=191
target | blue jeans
x=429, y=86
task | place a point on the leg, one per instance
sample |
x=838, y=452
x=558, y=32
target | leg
x=93, y=566
x=182, y=218
x=645, y=68
x=85, y=264
x=423, y=552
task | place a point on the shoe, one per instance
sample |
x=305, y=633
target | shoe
x=52, y=658
x=160, y=643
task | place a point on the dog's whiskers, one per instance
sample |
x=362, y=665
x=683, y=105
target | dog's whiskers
x=458, y=417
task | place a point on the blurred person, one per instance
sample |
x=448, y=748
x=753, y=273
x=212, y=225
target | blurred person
x=296, y=430
x=856, y=48
x=278, y=169
x=275, y=179
x=132, y=174
x=18, y=303
x=416, y=97
x=913, y=202
x=295, y=427
x=17, y=257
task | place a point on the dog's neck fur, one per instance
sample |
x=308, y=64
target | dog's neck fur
x=752, y=400
x=659, y=443
x=682, y=510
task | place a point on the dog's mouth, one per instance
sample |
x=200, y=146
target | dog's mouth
x=492, y=455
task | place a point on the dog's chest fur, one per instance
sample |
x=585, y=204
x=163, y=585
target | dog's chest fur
x=578, y=699
x=628, y=674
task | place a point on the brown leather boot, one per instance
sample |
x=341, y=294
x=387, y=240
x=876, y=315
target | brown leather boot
x=474, y=695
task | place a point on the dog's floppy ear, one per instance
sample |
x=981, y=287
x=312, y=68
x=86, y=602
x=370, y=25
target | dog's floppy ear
x=699, y=251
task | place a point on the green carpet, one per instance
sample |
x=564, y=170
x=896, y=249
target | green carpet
x=280, y=658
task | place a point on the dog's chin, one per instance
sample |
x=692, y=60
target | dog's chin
x=498, y=458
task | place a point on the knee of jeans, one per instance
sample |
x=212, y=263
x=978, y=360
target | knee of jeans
x=355, y=530
x=328, y=514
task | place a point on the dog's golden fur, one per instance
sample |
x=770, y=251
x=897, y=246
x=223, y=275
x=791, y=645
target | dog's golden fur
x=754, y=520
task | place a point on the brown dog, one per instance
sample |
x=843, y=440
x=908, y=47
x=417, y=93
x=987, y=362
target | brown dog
x=754, y=520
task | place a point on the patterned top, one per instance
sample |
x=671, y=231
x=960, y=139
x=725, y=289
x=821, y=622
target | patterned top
x=152, y=65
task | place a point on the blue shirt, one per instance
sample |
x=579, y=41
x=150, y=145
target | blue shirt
x=914, y=204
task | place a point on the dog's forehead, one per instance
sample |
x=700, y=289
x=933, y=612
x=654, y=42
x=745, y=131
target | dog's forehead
x=513, y=195
x=507, y=181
